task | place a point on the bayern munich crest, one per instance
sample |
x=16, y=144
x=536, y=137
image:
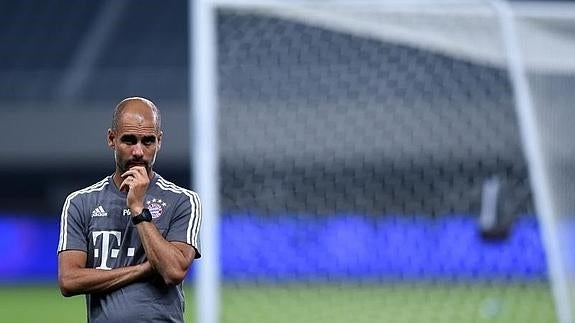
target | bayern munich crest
x=156, y=207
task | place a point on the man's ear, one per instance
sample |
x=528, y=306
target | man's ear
x=110, y=138
x=160, y=139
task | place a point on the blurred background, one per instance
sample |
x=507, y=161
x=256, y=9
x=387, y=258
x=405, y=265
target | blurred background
x=372, y=162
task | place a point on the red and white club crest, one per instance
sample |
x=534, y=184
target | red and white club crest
x=156, y=207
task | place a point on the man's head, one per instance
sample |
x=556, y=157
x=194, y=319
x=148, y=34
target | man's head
x=135, y=135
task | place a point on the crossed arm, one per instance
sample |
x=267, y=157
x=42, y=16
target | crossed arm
x=74, y=278
x=169, y=259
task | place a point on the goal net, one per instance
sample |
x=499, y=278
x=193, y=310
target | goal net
x=373, y=167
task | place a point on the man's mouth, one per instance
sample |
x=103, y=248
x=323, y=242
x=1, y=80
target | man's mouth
x=133, y=164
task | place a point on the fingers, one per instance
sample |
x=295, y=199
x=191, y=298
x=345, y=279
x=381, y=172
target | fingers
x=135, y=182
x=136, y=171
x=127, y=184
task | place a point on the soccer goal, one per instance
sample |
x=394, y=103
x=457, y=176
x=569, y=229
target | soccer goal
x=384, y=161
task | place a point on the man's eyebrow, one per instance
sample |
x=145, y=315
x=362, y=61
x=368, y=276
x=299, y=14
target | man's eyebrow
x=133, y=138
x=128, y=137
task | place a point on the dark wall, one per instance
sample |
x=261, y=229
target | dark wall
x=310, y=119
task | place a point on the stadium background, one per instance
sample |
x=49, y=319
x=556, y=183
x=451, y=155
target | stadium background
x=352, y=169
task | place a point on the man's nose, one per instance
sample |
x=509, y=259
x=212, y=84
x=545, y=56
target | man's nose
x=137, y=150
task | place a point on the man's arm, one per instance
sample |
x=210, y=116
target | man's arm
x=170, y=259
x=74, y=278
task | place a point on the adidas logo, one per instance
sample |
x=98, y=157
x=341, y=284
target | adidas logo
x=99, y=211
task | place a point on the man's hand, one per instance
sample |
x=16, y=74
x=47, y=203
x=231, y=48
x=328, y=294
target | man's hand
x=136, y=181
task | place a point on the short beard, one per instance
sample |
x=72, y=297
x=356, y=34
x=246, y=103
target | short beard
x=125, y=165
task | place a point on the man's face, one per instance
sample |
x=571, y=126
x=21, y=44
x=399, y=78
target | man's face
x=136, y=141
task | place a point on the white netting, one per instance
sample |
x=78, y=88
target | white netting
x=553, y=96
x=355, y=142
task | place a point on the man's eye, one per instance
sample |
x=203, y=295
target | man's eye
x=148, y=141
x=129, y=140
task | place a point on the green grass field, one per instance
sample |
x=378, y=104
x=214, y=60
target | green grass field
x=396, y=303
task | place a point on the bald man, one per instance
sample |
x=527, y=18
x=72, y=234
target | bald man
x=127, y=241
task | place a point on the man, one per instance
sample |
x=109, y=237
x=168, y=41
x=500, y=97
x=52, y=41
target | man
x=128, y=241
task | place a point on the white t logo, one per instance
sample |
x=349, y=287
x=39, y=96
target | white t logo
x=107, y=252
